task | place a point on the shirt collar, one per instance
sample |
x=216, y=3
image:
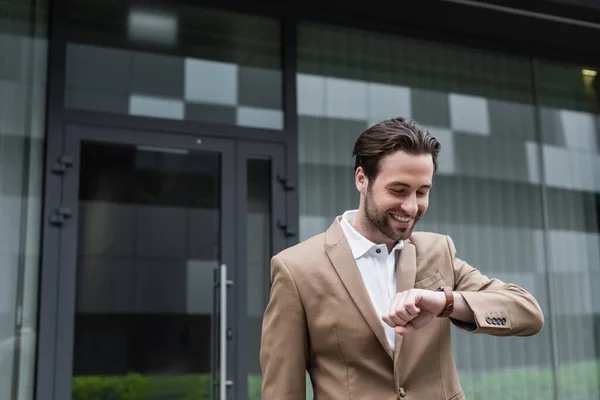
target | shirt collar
x=359, y=244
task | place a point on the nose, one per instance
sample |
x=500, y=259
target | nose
x=409, y=206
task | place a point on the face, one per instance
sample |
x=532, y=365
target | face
x=392, y=204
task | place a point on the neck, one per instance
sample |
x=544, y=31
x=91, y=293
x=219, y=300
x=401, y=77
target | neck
x=364, y=226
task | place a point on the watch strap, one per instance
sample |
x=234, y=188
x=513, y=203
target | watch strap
x=449, y=301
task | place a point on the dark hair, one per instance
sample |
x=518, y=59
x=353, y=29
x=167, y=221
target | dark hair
x=391, y=135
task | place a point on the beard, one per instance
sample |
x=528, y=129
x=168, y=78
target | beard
x=381, y=220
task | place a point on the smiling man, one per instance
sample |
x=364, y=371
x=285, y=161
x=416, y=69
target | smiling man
x=366, y=307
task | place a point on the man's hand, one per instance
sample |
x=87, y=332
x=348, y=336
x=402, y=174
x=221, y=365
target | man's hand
x=413, y=309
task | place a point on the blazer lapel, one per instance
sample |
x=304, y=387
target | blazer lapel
x=406, y=271
x=340, y=254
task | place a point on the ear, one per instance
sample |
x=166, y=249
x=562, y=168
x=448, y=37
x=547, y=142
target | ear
x=361, y=180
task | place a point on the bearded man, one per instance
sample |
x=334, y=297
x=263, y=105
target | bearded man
x=365, y=307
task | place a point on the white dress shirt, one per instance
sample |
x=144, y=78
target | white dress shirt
x=377, y=267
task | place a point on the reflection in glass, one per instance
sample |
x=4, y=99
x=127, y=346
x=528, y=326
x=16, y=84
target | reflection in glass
x=149, y=241
x=570, y=110
x=174, y=61
x=23, y=64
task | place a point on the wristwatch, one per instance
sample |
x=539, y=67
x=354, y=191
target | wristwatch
x=449, y=301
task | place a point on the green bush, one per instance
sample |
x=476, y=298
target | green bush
x=129, y=387
x=137, y=387
x=576, y=382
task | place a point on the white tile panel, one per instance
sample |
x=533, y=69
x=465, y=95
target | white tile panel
x=211, y=82
x=532, y=152
x=346, y=99
x=579, y=129
x=150, y=106
x=387, y=101
x=311, y=225
x=557, y=172
x=311, y=95
x=255, y=117
x=469, y=114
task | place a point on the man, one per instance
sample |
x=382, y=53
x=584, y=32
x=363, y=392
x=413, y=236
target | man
x=366, y=307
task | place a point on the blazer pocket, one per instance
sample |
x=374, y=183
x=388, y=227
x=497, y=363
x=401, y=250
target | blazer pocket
x=428, y=282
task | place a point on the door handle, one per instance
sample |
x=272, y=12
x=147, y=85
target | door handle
x=223, y=381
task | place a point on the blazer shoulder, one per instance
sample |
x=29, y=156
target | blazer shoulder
x=308, y=252
x=430, y=241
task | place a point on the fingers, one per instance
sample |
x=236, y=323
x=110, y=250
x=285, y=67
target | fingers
x=402, y=309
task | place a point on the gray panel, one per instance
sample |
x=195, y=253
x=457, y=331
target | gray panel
x=551, y=126
x=98, y=69
x=210, y=113
x=161, y=232
x=576, y=339
x=328, y=141
x=12, y=48
x=512, y=120
x=97, y=101
x=485, y=202
x=327, y=191
x=573, y=210
x=598, y=130
x=9, y=272
x=199, y=282
x=106, y=229
x=158, y=75
x=259, y=87
x=491, y=157
x=11, y=165
x=571, y=251
x=571, y=294
x=14, y=98
x=430, y=108
x=105, y=285
x=160, y=286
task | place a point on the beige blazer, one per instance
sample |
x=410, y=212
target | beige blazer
x=320, y=319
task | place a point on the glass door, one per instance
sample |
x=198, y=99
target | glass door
x=146, y=306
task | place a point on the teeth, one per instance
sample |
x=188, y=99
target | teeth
x=401, y=219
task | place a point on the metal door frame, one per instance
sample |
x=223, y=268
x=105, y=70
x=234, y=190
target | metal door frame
x=247, y=150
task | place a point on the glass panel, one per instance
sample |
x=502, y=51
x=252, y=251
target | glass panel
x=149, y=243
x=176, y=61
x=487, y=193
x=570, y=113
x=23, y=63
x=259, y=252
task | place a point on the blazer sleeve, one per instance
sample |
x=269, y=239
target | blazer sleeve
x=284, y=341
x=500, y=309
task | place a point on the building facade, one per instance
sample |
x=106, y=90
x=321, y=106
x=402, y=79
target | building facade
x=155, y=155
